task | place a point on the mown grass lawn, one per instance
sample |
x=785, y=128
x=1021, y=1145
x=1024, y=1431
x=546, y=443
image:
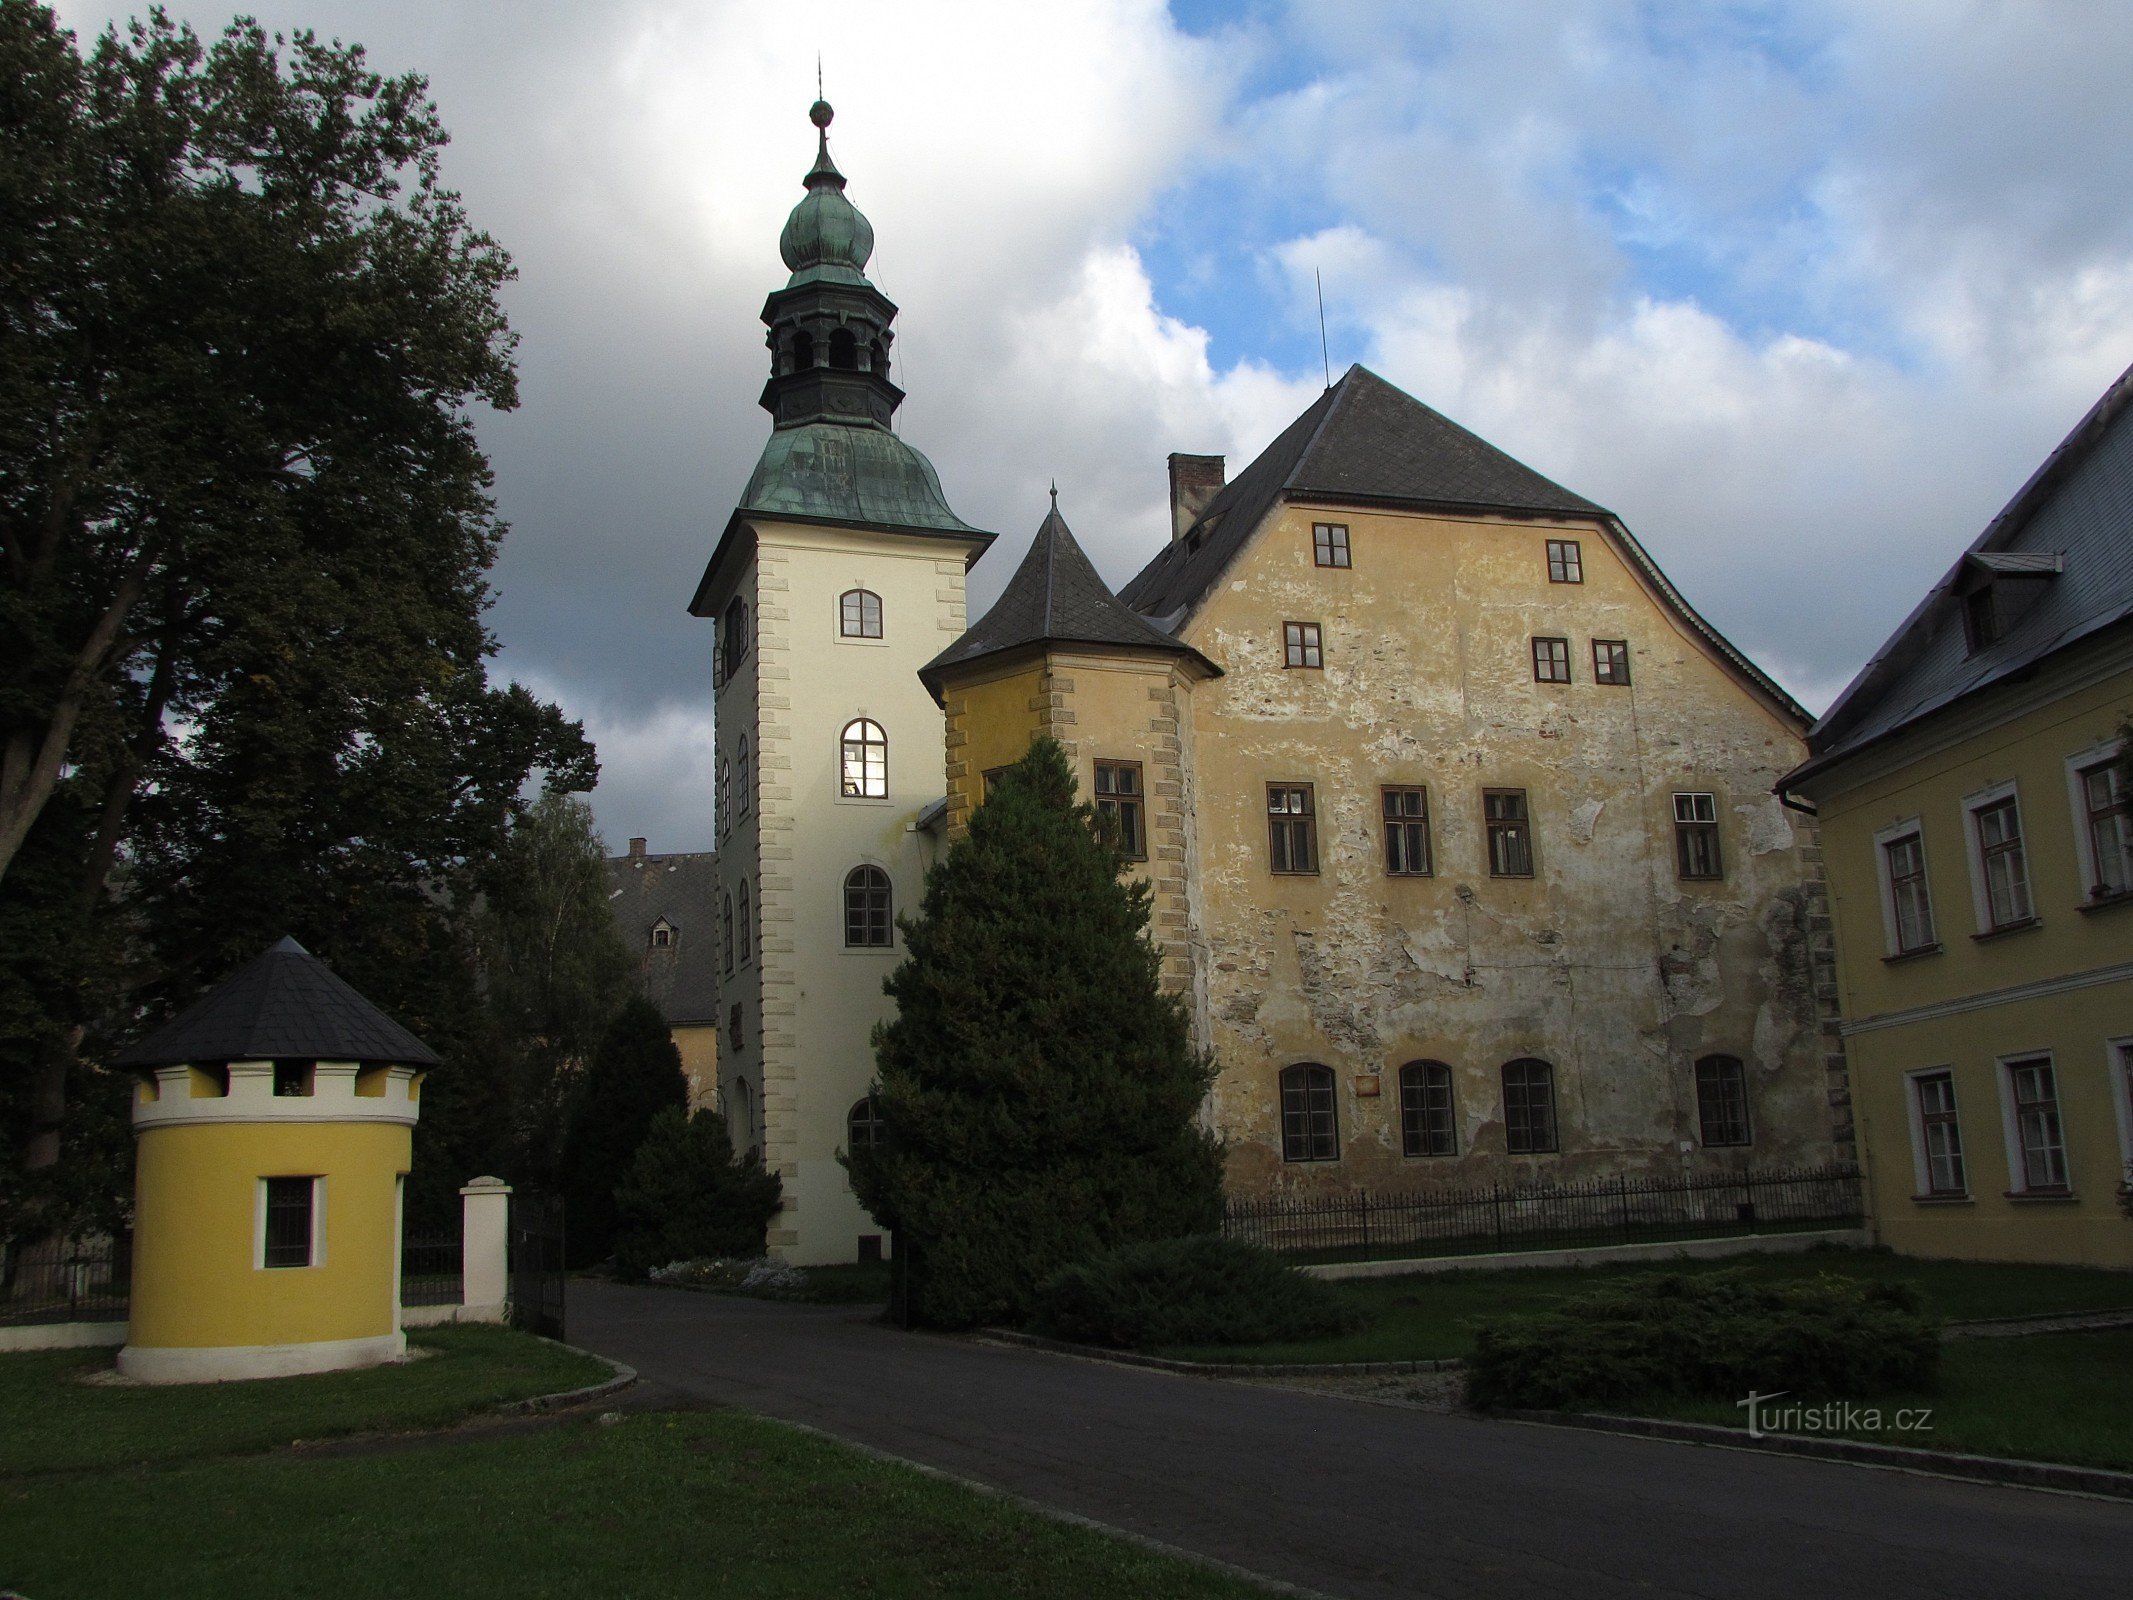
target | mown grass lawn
x=52, y=1421
x=1429, y=1315
x=658, y=1504
x=2064, y=1397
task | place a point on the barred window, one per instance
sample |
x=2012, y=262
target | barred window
x=868, y=913
x=1696, y=836
x=1510, y=834
x=1940, y=1133
x=1301, y=645
x=1329, y=544
x=1565, y=564
x=1292, y=828
x=859, y=614
x=289, y=1222
x=1308, y=1129
x=1722, y=1100
x=866, y=761
x=865, y=1127
x=1551, y=660
x=1118, y=803
x=1426, y=1127
x=1406, y=810
x=1610, y=661
x=1529, y=1107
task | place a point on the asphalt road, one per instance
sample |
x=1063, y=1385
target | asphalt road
x=1363, y=1500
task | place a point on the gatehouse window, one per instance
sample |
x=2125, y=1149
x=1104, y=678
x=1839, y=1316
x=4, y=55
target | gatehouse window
x=1529, y=1107
x=289, y=1235
x=866, y=761
x=1308, y=1130
x=859, y=614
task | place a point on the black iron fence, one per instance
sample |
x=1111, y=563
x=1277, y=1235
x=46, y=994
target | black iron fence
x=431, y=1269
x=88, y=1279
x=1602, y=1211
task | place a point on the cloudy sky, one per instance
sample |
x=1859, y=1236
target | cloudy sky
x=1803, y=291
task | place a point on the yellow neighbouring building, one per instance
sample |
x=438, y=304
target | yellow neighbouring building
x=275, y=1120
x=1973, y=796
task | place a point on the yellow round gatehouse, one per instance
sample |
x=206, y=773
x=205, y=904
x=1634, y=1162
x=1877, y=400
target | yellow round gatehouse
x=274, y=1122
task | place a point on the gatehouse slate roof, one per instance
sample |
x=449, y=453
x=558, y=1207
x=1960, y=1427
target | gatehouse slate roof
x=1055, y=597
x=681, y=978
x=1363, y=441
x=284, y=1005
x=2069, y=529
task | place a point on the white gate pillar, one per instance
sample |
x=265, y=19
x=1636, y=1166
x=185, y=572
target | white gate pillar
x=485, y=1250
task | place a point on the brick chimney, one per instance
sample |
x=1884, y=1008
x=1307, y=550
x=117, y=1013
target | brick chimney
x=637, y=851
x=1194, y=480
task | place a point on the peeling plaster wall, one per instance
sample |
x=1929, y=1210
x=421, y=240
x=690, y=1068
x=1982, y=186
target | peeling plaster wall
x=1604, y=963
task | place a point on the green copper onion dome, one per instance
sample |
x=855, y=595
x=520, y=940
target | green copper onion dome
x=825, y=238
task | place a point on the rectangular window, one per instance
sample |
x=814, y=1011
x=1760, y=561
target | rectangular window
x=1292, y=827
x=1510, y=836
x=1118, y=801
x=1610, y=661
x=1529, y=1108
x=1406, y=832
x=1722, y=1100
x=2038, y=1134
x=1940, y=1138
x=1911, y=908
x=1309, y=1131
x=1551, y=660
x=992, y=778
x=1300, y=644
x=1329, y=544
x=1564, y=564
x=1426, y=1110
x=2110, y=829
x=1696, y=836
x=288, y=1230
x=2004, y=866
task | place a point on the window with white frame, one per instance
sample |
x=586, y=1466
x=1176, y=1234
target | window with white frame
x=2037, y=1137
x=1938, y=1135
x=1999, y=862
x=1906, y=902
x=2103, y=821
x=288, y=1235
x=2121, y=1070
x=866, y=761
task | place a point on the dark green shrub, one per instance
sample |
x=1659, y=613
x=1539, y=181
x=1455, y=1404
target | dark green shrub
x=1202, y=1289
x=635, y=1075
x=1715, y=1336
x=687, y=1195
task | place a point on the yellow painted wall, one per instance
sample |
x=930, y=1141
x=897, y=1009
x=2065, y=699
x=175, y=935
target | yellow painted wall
x=195, y=1245
x=699, y=1062
x=2027, y=735
x=993, y=712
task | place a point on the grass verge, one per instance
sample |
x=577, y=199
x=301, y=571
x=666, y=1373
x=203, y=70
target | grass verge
x=2062, y=1397
x=659, y=1504
x=1429, y=1316
x=51, y=1421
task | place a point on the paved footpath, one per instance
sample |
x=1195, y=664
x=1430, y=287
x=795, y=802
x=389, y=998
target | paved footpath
x=1362, y=1500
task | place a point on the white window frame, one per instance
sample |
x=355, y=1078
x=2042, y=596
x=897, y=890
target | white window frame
x=1974, y=803
x=2077, y=798
x=2118, y=1062
x=259, y=1224
x=1891, y=941
x=1921, y=1161
x=2011, y=1122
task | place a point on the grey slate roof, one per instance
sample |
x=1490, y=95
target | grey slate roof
x=1361, y=441
x=284, y=1005
x=2068, y=530
x=1055, y=597
x=681, y=978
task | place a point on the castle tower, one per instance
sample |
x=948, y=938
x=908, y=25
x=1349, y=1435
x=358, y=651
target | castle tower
x=275, y=1120
x=838, y=576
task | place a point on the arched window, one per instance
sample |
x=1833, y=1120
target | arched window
x=859, y=614
x=662, y=934
x=803, y=350
x=867, y=911
x=1308, y=1132
x=866, y=761
x=733, y=636
x=740, y=1119
x=865, y=1127
x=725, y=940
x=877, y=358
x=742, y=926
x=1529, y=1107
x=1426, y=1126
x=725, y=797
x=1722, y=1100
x=844, y=350
x=742, y=788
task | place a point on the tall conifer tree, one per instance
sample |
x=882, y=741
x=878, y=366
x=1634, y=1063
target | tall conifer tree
x=1042, y=1092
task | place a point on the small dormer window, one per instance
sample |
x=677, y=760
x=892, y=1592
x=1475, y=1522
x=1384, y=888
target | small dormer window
x=1982, y=623
x=662, y=934
x=1998, y=587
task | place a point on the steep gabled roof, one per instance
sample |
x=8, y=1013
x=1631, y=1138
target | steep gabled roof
x=284, y=1005
x=2068, y=530
x=1055, y=597
x=1362, y=441
x=681, y=977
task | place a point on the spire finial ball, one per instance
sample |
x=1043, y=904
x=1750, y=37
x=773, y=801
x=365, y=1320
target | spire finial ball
x=820, y=113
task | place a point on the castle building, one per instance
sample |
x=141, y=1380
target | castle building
x=666, y=910
x=838, y=575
